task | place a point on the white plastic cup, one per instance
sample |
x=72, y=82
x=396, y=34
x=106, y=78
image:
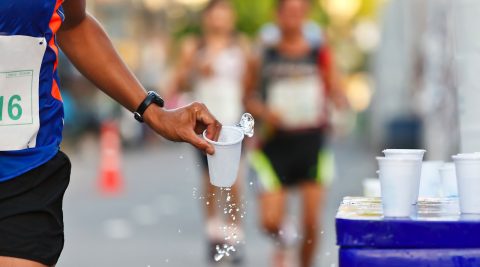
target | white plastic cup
x=467, y=167
x=430, y=180
x=224, y=164
x=397, y=178
x=449, y=180
x=409, y=154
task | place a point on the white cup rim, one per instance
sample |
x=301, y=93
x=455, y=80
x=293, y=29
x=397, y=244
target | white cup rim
x=397, y=159
x=434, y=162
x=226, y=143
x=466, y=156
x=405, y=151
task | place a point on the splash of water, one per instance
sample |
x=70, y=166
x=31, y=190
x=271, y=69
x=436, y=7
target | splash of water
x=231, y=231
x=247, y=124
x=223, y=251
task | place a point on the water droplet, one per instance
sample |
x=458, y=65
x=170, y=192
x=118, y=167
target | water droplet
x=180, y=157
x=218, y=257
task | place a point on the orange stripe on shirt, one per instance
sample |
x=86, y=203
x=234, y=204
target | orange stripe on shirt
x=54, y=25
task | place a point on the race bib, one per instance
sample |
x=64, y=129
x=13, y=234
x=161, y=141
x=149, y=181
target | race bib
x=298, y=101
x=20, y=61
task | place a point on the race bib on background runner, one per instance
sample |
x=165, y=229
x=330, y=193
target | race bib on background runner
x=20, y=61
x=298, y=101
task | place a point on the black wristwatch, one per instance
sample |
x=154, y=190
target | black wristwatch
x=152, y=98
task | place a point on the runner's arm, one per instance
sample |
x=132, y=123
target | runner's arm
x=252, y=101
x=329, y=74
x=87, y=45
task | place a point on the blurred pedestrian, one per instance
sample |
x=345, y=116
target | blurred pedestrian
x=34, y=173
x=215, y=66
x=291, y=99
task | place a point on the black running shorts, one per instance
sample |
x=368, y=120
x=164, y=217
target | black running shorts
x=31, y=217
x=289, y=159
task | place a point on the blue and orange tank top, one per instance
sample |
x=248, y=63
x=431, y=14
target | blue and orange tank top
x=31, y=108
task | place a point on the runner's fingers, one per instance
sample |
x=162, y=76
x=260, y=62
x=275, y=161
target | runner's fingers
x=200, y=143
x=206, y=118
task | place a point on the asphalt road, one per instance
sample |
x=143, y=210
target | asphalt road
x=157, y=220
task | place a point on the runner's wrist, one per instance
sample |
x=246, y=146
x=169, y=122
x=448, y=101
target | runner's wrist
x=152, y=115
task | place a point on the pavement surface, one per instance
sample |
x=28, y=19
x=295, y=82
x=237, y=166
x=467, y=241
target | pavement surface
x=158, y=219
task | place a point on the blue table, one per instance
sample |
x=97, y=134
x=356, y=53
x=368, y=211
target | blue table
x=435, y=235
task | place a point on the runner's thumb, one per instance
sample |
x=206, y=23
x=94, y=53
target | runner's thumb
x=200, y=143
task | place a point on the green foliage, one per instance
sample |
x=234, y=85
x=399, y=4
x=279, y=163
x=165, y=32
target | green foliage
x=251, y=15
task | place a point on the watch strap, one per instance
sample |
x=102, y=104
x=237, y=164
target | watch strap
x=151, y=98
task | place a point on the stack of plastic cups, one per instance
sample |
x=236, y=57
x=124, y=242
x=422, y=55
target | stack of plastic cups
x=408, y=154
x=399, y=173
x=467, y=167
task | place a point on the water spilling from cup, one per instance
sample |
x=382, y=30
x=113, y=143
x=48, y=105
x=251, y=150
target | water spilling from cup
x=247, y=124
x=224, y=164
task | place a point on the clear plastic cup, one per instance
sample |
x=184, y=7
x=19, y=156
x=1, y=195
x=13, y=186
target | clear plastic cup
x=224, y=164
x=371, y=187
x=411, y=154
x=467, y=167
x=397, y=178
x=430, y=181
x=449, y=180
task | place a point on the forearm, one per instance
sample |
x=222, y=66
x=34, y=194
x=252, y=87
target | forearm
x=92, y=53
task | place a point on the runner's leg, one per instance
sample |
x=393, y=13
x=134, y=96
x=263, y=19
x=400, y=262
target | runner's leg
x=15, y=262
x=272, y=213
x=211, y=197
x=313, y=195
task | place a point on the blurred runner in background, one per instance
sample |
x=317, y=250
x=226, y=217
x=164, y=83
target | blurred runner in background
x=34, y=173
x=295, y=86
x=215, y=66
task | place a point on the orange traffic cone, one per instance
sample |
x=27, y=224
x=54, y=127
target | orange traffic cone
x=110, y=179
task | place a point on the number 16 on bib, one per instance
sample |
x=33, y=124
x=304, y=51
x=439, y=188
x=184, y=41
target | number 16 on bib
x=19, y=89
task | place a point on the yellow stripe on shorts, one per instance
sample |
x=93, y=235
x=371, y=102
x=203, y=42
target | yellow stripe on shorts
x=325, y=167
x=265, y=172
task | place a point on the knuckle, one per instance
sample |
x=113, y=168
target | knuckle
x=197, y=105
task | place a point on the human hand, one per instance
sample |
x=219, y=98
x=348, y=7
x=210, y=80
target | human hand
x=185, y=124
